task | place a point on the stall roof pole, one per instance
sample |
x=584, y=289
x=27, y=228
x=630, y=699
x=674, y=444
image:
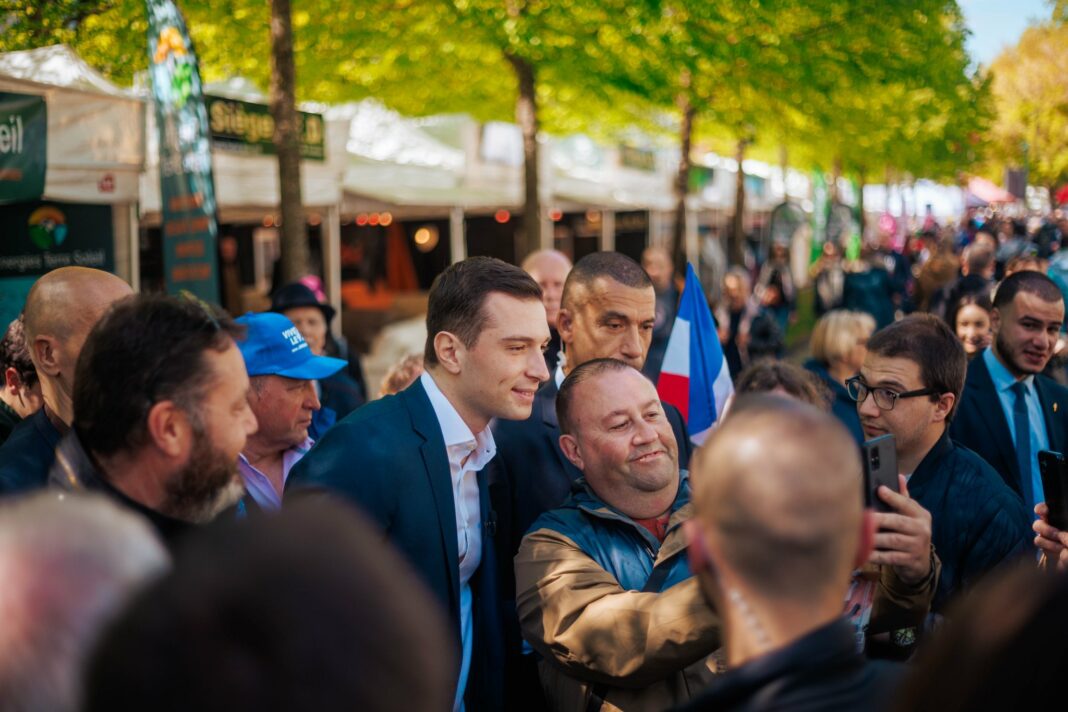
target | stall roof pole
x=457, y=236
x=332, y=261
x=135, y=248
x=608, y=230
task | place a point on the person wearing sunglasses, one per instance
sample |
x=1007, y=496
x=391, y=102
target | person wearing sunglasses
x=909, y=387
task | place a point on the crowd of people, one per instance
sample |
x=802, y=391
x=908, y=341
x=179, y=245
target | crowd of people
x=206, y=512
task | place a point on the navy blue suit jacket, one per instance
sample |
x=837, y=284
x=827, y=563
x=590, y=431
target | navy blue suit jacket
x=389, y=458
x=980, y=424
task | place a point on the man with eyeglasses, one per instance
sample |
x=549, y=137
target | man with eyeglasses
x=909, y=387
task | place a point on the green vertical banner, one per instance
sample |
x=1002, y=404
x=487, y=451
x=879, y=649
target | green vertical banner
x=820, y=209
x=23, y=154
x=187, y=190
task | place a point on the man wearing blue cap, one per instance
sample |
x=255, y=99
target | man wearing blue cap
x=282, y=372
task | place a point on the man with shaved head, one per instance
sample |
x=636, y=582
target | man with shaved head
x=779, y=527
x=549, y=268
x=61, y=309
x=603, y=589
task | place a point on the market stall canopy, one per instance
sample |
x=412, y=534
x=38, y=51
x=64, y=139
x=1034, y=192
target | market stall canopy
x=983, y=192
x=95, y=134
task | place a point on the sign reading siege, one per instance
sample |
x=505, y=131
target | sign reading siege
x=244, y=127
x=23, y=135
x=186, y=184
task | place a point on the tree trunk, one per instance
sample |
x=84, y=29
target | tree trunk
x=736, y=243
x=682, y=182
x=1052, y=188
x=526, y=115
x=294, y=241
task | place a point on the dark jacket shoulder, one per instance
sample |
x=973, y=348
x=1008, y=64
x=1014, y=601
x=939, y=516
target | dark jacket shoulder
x=28, y=454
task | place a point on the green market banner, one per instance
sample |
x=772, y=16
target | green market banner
x=37, y=237
x=248, y=128
x=187, y=189
x=23, y=146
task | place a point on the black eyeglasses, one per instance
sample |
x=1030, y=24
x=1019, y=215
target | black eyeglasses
x=885, y=399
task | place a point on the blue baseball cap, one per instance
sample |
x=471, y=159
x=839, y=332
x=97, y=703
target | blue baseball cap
x=274, y=347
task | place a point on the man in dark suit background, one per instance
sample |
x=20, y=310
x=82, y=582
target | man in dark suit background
x=416, y=461
x=1009, y=411
x=607, y=310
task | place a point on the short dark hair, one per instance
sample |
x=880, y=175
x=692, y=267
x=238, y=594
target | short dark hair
x=767, y=374
x=261, y=614
x=15, y=354
x=458, y=297
x=1027, y=281
x=929, y=342
x=583, y=372
x=978, y=258
x=148, y=348
x=613, y=265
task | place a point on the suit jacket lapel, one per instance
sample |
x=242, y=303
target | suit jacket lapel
x=1049, y=402
x=988, y=411
x=439, y=476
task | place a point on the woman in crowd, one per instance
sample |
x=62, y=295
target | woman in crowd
x=839, y=345
x=971, y=322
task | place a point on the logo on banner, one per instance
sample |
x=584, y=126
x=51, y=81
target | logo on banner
x=48, y=227
x=170, y=44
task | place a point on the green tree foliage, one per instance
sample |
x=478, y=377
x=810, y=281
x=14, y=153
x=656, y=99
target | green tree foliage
x=1031, y=95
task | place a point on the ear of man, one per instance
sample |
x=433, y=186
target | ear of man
x=46, y=355
x=565, y=324
x=944, y=407
x=12, y=382
x=572, y=451
x=169, y=429
x=450, y=351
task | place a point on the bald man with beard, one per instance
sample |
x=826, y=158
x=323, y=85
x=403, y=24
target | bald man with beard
x=61, y=309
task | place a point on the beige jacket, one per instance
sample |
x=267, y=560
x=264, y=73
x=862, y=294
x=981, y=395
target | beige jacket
x=641, y=651
x=647, y=651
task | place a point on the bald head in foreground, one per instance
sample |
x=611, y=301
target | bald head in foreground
x=779, y=527
x=61, y=309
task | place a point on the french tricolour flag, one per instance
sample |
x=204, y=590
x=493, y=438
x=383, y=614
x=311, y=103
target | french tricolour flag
x=694, y=377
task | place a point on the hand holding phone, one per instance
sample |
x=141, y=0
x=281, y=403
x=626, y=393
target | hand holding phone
x=880, y=468
x=1054, y=471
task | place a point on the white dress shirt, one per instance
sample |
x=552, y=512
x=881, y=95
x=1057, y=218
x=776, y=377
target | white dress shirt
x=467, y=455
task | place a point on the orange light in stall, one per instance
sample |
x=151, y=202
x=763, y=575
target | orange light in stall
x=268, y=221
x=593, y=216
x=555, y=215
x=315, y=219
x=361, y=219
x=502, y=216
x=385, y=219
x=372, y=219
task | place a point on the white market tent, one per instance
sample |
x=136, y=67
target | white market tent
x=95, y=142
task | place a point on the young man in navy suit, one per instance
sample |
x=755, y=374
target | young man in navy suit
x=1009, y=411
x=416, y=461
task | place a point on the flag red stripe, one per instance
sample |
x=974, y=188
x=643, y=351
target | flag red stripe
x=675, y=389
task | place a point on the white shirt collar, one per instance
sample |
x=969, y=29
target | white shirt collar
x=558, y=376
x=453, y=428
